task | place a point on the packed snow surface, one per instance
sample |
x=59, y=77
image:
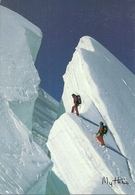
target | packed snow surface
x=80, y=164
x=44, y=115
x=107, y=90
x=24, y=166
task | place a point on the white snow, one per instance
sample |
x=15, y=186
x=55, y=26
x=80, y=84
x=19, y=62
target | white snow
x=27, y=114
x=108, y=94
x=44, y=115
x=24, y=166
x=18, y=50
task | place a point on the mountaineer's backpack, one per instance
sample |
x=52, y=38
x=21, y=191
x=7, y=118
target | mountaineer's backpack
x=105, y=129
x=79, y=101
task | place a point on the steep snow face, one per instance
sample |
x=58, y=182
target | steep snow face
x=44, y=115
x=19, y=44
x=108, y=94
x=110, y=86
x=81, y=163
x=24, y=166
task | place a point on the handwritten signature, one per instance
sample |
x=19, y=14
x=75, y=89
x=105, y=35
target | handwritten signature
x=114, y=181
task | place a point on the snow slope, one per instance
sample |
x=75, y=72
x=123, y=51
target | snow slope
x=81, y=165
x=44, y=115
x=108, y=94
x=24, y=166
x=18, y=50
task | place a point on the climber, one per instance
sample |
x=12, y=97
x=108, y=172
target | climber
x=101, y=133
x=77, y=101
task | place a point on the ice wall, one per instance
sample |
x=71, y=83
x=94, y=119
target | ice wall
x=24, y=166
x=44, y=115
x=107, y=90
x=18, y=49
x=78, y=161
x=109, y=85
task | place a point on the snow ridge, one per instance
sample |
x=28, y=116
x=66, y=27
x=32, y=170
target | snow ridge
x=103, y=83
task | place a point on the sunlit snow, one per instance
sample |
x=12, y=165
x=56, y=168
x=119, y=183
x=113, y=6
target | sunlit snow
x=108, y=94
x=24, y=166
x=77, y=163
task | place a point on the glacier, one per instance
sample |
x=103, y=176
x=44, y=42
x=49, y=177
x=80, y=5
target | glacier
x=46, y=149
x=107, y=90
x=24, y=164
x=44, y=115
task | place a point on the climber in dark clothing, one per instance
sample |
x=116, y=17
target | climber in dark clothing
x=76, y=104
